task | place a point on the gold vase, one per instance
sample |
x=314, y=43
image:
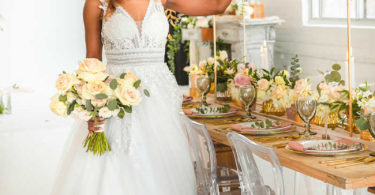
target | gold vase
x=193, y=90
x=366, y=135
x=269, y=108
x=333, y=119
x=235, y=93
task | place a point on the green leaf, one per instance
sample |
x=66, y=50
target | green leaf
x=335, y=76
x=121, y=114
x=128, y=109
x=261, y=124
x=268, y=124
x=361, y=124
x=101, y=96
x=71, y=107
x=137, y=84
x=122, y=76
x=146, y=92
x=336, y=67
x=113, y=84
x=89, y=106
x=112, y=105
x=63, y=98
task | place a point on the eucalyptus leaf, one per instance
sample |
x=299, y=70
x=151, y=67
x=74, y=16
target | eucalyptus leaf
x=101, y=96
x=89, y=106
x=146, y=92
x=71, y=107
x=122, y=76
x=113, y=84
x=121, y=114
x=336, y=77
x=112, y=105
x=63, y=98
x=128, y=109
x=137, y=84
x=336, y=67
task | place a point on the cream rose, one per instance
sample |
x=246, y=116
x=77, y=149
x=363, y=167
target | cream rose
x=301, y=85
x=88, y=76
x=279, y=80
x=91, y=89
x=91, y=65
x=65, y=82
x=128, y=95
x=105, y=113
x=130, y=77
x=279, y=92
x=202, y=64
x=57, y=107
x=263, y=84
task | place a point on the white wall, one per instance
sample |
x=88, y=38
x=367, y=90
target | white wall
x=41, y=38
x=319, y=47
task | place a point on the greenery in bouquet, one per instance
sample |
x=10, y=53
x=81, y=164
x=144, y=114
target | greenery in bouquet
x=362, y=105
x=329, y=91
x=91, y=94
x=295, y=70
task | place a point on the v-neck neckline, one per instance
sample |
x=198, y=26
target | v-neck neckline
x=140, y=31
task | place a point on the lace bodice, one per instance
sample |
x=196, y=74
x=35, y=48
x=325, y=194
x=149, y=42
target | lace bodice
x=126, y=42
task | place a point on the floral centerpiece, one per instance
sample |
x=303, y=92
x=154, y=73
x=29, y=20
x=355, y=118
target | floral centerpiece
x=362, y=105
x=329, y=92
x=274, y=91
x=247, y=74
x=91, y=95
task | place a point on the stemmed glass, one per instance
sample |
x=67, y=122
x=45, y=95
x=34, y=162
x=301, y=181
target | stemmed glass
x=306, y=108
x=371, y=120
x=247, y=96
x=203, y=84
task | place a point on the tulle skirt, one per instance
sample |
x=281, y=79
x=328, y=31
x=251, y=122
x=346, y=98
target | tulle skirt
x=150, y=152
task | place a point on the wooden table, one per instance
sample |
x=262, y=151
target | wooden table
x=359, y=176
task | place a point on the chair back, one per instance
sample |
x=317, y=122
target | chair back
x=251, y=179
x=203, y=153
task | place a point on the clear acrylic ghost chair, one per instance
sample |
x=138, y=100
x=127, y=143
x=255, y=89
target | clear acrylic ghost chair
x=250, y=178
x=203, y=153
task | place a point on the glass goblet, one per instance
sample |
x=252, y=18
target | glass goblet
x=247, y=96
x=306, y=108
x=371, y=121
x=203, y=84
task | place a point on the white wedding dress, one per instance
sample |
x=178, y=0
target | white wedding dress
x=150, y=152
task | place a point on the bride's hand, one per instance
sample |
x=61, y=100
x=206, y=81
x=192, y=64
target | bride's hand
x=92, y=126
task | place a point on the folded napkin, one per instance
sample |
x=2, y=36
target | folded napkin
x=188, y=112
x=296, y=146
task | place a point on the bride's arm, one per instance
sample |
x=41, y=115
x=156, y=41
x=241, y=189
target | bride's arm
x=92, y=16
x=197, y=7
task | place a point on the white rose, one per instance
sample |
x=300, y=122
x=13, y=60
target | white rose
x=279, y=80
x=223, y=55
x=190, y=26
x=84, y=115
x=58, y=107
x=211, y=61
x=70, y=97
x=105, y=113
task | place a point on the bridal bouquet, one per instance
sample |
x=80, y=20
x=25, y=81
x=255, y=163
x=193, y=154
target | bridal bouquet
x=91, y=94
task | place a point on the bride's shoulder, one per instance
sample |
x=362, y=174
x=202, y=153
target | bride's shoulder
x=93, y=7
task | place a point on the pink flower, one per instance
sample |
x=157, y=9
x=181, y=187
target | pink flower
x=252, y=66
x=301, y=85
x=241, y=80
x=263, y=84
x=334, y=92
x=241, y=68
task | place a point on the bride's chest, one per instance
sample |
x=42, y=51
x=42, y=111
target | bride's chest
x=120, y=27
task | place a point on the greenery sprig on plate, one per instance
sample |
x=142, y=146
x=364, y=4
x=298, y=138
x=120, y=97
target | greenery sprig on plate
x=220, y=109
x=266, y=123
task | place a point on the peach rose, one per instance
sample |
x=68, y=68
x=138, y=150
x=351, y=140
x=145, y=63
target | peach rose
x=91, y=65
x=241, y=80
x=211, y=61
x=202, y=65
x=263, y=84
x=65, y=82
x=128, y=95
x=279, y=92
x=334, y=92
x=91, y=89
x=241, y=67
x=89, y=77
x=301, y=85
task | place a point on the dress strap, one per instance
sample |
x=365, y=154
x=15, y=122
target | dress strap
x=104, y=5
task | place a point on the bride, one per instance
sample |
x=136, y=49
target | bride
x=150, y=153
